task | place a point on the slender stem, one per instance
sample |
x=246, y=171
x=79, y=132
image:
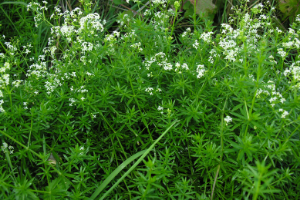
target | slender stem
x=216, y=176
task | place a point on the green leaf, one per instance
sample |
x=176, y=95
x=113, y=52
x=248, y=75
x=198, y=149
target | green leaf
x=236, y=107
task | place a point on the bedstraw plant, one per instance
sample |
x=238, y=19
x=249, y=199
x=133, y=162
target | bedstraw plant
x=211, y=113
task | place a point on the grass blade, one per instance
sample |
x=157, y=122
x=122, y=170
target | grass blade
x=11, y=2
x=114, y=173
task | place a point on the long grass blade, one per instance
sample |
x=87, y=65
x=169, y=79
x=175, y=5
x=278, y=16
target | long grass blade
x=18, y=2
x=115, y=173
x=108, y=179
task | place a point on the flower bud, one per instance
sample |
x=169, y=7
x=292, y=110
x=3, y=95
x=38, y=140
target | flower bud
x=177, y=5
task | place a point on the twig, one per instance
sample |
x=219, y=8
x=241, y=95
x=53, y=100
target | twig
x=69, y=5
x=129, y=9
x=118, y=8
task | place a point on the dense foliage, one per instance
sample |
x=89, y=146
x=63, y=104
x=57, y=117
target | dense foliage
x=212, y=112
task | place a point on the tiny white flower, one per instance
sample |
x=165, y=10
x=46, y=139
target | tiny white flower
x=5, y=145
x=284, y=114
x=227, y=119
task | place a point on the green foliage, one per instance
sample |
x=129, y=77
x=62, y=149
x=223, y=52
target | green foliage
x=204, y=8
x=148, y=111
x=289, y=8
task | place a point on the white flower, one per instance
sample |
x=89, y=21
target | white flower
x=185, y=66
x=160, y=108
x=206, y=37
x=200, y=70
x=196, y=44
x=149, y=89
x=284, y=113
x=227, y=119
x=281, y=52
x=5, y=145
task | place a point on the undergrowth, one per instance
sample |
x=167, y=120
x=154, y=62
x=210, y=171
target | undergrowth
x=211, y=114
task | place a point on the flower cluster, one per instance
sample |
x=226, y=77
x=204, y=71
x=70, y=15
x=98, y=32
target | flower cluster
x=111, y=39
x=159, y=2
x=294, y=70
x=1, y=102
x=72, y=100
x=160, y=59
x=131, y=35
x=124, y=20
x=206, y=37
x=284, y=113
x=160, y=21
x=52, y=83
x=196, y=44
x=4, y=81
x=5, y=148
x=150, y=90
x=281, y=52
x=11, y=48
x=181, y=67
x=213, y=54
x=137, y=46
x=257, y=8
x=36, y=7
x=200, y=70
x=270, y=90
x=247, y=33
x=160, y=109
x=186, y=33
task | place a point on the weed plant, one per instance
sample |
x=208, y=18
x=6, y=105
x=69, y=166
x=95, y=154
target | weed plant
x=211, y=113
